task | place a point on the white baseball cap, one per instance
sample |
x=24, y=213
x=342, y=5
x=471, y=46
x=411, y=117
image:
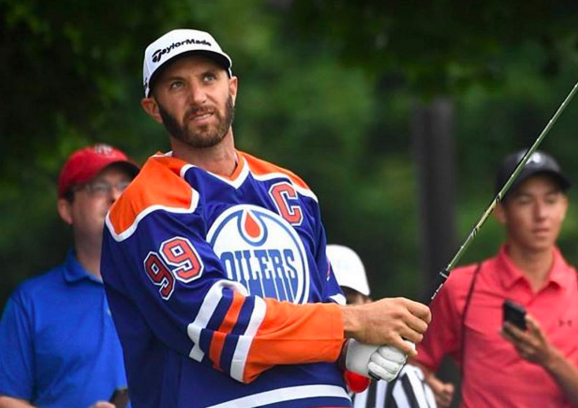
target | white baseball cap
x=348, y=268
x=178, y=42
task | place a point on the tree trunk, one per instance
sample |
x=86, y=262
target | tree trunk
x=433, y=149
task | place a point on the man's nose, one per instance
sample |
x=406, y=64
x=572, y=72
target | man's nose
x=197, y=95
x=540, y=210
x=115, y=193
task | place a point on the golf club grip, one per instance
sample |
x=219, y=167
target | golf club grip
x=438, y=283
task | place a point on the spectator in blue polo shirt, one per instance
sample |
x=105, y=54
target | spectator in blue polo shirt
x=58, y=344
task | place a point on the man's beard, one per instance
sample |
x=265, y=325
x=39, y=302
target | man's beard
x=203, y=137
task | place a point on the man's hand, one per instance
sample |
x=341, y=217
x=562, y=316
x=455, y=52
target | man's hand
x=357, y=356
x=443, y=392
x=387, y=361
x=532, y=344
x=378, y=362
x=388, y=321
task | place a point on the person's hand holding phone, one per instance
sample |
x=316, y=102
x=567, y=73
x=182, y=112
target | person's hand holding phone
x=524, y=332
x=514, y=313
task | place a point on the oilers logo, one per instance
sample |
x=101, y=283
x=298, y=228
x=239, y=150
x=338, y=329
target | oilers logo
x=260, y=250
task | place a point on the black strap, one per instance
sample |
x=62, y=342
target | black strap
x=464, y=315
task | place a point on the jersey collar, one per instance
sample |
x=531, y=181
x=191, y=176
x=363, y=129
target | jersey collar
x=180, y=167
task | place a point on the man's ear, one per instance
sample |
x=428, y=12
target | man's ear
x=151, y=107
x=233, y=86
x=65, y=210
x=565, y=204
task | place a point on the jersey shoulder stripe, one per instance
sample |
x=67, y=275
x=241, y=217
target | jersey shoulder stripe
x=159, y=186
x=263, y=170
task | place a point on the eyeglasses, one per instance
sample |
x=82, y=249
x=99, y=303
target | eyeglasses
x=102, y=188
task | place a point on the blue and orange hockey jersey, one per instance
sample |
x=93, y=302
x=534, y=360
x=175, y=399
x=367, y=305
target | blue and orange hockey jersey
x=221, y=291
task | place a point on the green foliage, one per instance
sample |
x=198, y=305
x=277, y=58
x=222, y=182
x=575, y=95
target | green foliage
x=440, y=46
x=327, y=89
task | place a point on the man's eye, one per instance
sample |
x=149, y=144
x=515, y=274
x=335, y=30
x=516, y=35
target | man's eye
x=209, y=77
x=176, y=84
x=122, y=185
x=552, y=199
x=99, y=187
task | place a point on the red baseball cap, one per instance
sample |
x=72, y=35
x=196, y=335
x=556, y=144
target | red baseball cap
x=84, y=164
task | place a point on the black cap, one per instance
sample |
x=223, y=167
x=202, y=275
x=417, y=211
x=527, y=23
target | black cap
x=539, y=162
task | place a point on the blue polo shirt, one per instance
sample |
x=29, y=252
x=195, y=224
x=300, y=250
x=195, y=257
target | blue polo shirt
x=58, y=343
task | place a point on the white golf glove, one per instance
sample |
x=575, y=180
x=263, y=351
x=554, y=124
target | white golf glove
x=378, y=362
x=357, y=357
x=386, y=362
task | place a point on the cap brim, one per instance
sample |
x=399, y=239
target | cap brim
x=130, y=167
x=563, y=182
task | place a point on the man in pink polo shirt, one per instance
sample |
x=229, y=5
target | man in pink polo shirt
x=501, y=365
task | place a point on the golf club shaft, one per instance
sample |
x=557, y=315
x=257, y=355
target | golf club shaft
x=444, y=274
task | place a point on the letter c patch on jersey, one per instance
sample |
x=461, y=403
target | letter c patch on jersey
x=177, y=259
x=283, y=195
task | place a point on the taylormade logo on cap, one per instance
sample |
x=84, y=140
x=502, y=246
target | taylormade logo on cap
x=175, y=43
x=158, y=54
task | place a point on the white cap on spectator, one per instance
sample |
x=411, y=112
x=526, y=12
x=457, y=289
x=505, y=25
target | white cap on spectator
x=348, y=268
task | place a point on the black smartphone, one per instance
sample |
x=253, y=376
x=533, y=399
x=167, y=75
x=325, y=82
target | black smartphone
x=119, y=398
x=515, y=314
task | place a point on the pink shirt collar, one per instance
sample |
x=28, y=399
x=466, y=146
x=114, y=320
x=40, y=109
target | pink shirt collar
x=511, y=274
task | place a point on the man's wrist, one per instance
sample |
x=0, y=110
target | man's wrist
x=554, y=360
x=351, y=323
x=341, y=361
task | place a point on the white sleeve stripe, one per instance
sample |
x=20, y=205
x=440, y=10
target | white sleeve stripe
x=286, y=394
x=244, y=344
x=210, y=303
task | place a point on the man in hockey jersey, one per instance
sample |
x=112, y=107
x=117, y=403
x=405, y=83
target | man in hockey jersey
x=215, y=267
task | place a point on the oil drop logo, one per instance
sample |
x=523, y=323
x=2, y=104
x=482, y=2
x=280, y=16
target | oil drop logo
x=262, y=251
